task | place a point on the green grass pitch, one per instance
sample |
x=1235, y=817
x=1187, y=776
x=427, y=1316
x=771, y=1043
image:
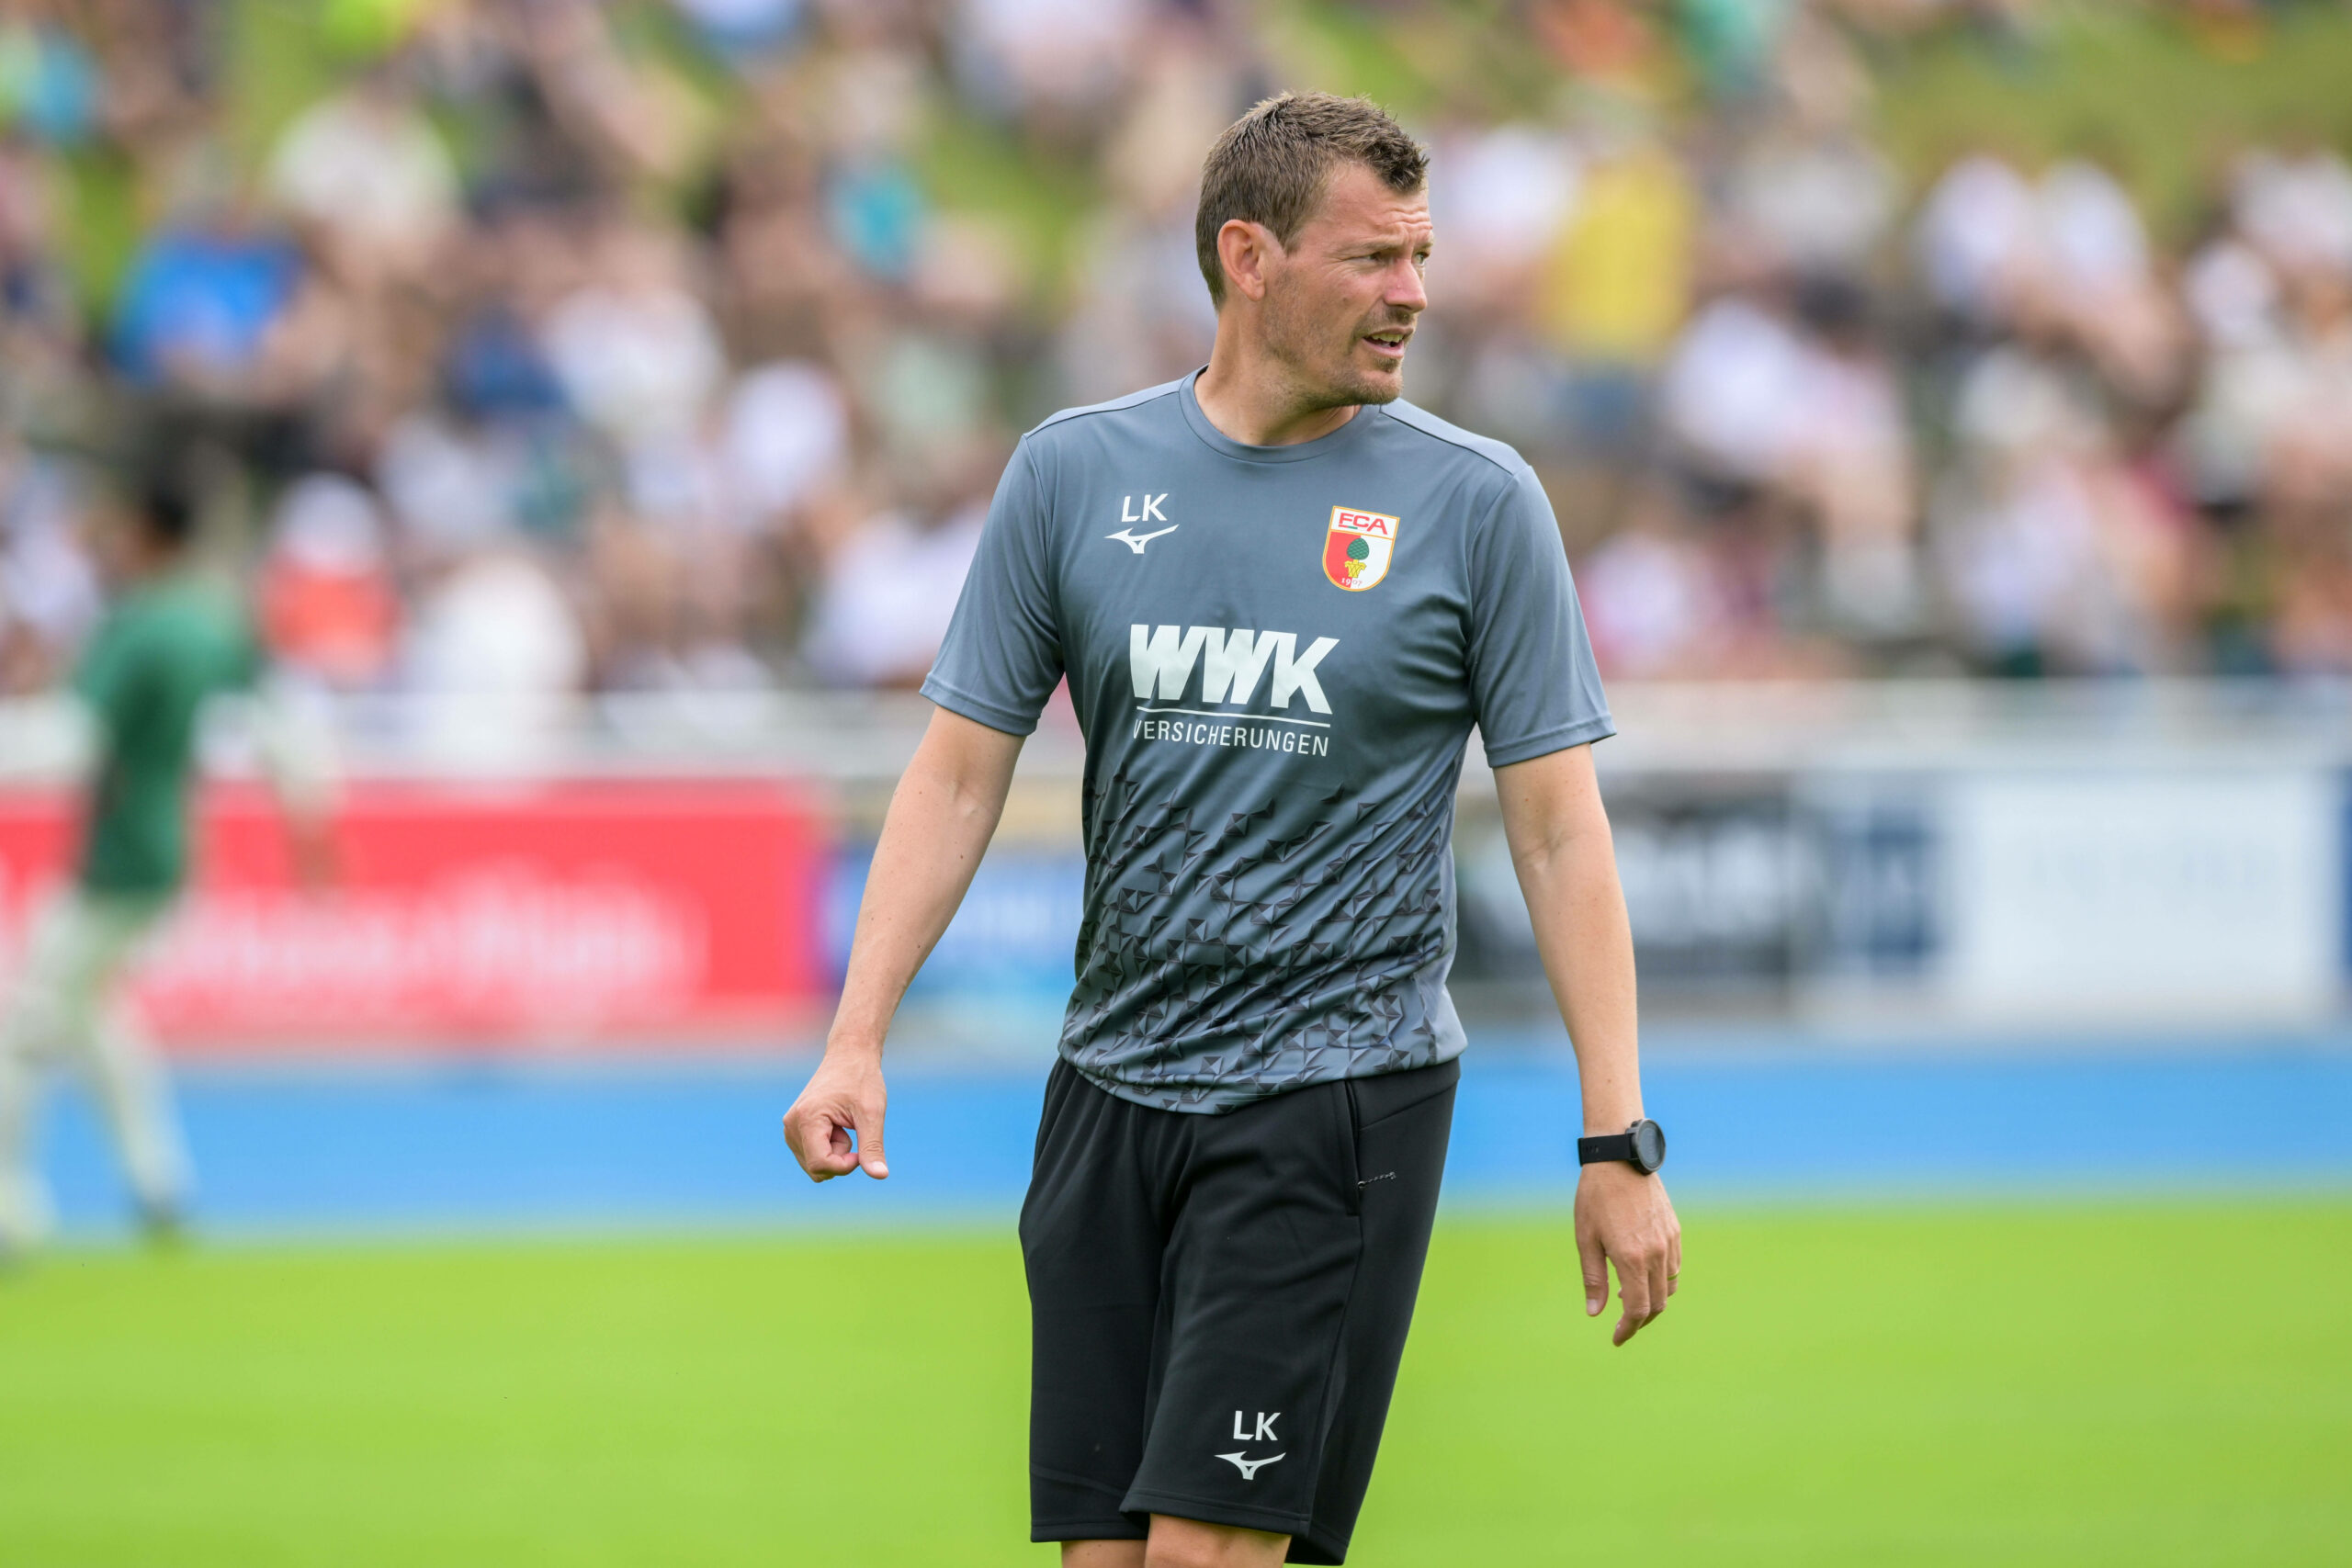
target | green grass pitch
x=2138, y=1385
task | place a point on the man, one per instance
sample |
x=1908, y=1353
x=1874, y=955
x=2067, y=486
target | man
x=171, y=640
x=1281, y=598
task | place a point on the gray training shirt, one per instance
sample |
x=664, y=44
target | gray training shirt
x=1276, y=654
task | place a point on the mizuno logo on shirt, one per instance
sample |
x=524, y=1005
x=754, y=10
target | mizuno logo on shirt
x=1149, y=512
x=1136, y=542
x=1251, y=1467
x=1161, y=659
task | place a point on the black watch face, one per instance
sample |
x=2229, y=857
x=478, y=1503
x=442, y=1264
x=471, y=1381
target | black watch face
x=1649, y=1144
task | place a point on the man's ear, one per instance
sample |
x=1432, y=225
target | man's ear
x=1245, y=249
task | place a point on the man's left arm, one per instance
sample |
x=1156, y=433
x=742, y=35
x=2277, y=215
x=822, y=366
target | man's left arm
x=290, y=725
x=1560, y=845
x=293, y=736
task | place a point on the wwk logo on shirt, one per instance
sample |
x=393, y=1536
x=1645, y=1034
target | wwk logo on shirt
x=1231, y=663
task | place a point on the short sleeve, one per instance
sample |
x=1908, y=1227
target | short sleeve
x=1531, y=673
x=1002, y=656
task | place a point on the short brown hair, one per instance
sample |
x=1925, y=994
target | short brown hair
x=1271, y=166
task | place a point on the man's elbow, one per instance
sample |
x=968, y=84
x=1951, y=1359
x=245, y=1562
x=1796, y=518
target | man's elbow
x=1559, y=841
x=969, y=780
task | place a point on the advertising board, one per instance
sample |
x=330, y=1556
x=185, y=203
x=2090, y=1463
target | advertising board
x=546, y=912
x=2130, y=896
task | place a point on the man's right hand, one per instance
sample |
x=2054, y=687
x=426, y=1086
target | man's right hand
x=845, y=1095
x=941, y=815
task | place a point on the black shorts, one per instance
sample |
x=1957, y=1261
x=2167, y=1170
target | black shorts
x=1218, y=1303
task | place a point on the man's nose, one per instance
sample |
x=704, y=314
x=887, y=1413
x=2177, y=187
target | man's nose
x=1405, y=291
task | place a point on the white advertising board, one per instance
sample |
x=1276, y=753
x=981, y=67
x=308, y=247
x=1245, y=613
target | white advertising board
x=2205, y=895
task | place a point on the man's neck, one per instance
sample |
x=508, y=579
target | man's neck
x=1248, y=399
x=149, y=570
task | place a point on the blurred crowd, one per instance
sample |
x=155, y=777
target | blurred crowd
x=544, y=346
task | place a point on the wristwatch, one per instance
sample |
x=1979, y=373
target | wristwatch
x=1641, y=1146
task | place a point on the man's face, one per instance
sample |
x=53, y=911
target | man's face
x=117, y=545
x=1340, y=304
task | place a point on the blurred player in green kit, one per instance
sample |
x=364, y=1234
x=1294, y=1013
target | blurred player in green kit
x=174, y=637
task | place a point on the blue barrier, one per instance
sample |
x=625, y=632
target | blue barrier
x=520, y=1147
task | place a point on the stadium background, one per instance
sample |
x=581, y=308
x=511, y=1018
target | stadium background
x=1948, y=409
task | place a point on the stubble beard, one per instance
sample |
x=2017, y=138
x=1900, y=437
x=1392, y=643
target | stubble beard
x=1322, y=378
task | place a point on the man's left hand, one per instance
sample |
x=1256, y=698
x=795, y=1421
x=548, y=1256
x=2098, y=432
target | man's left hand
x=315, y=856
x=1624, y=1217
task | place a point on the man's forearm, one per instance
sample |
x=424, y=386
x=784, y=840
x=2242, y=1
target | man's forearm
x=1568, y=869
x=1587, y=951
x=293, y=738
x=938, y=828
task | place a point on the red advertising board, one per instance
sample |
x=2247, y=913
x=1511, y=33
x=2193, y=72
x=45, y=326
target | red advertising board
x=618, y=912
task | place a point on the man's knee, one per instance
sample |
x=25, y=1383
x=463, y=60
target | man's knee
x=1190, y=1544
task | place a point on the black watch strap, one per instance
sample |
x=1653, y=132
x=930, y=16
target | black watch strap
x=1641, y=1146
x=1605, y=1148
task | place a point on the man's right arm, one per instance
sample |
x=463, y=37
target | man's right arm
x=940, y=820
